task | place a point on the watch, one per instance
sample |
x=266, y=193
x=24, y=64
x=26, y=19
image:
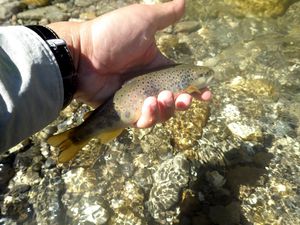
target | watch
x=64, y=60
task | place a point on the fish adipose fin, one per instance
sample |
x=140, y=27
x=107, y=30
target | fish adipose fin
x=68, y=149
x=110, y=135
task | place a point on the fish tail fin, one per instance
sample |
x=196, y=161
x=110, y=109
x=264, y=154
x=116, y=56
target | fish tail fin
x=109, y=135
x=68, y=149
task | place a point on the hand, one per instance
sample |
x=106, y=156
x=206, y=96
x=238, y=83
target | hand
x=121, y=42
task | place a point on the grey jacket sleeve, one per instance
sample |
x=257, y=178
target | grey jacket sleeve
x=31, y=87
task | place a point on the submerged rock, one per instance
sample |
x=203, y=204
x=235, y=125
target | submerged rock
x=169, y=179
x=266, y=8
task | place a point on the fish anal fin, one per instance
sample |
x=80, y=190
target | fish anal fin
x=107, y=136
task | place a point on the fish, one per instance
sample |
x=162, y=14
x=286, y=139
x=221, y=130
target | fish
x=124, y=108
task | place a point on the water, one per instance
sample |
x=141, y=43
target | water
x=232, y=161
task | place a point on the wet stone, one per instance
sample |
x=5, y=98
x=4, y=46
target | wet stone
x=186, y=27
x=266, y=8
x=169, y=179
x=52, y=13
x=9, y=8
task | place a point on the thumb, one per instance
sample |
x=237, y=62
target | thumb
x=168, y=13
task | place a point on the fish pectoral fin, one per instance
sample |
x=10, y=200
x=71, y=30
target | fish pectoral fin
x=192, y=89
x=68, y=149
x=107, y=136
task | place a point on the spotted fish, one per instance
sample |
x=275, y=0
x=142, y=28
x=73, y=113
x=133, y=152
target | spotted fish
x=124, y=108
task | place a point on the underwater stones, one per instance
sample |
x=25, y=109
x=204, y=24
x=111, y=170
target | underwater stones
x=82, y=198
x=186, y=26
x=215, y=179
x=8, y=8
x=126, y=216
x=46, y=198
x=258, y=8
x=84, y=3
x=86, y=208
x=79, y=180
x=52, y=13
x=244, y=131
x=35, y=3
x=6, y=170
x=258, y=86
x=171, y=46
x=171, y=176
x=186, y=127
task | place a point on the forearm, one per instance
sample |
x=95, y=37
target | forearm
x=31, y=88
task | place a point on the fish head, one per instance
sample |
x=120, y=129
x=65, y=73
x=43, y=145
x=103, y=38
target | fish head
x=203, y=77
x=200, y=78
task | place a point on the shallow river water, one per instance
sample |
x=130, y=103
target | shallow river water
x=234, y=160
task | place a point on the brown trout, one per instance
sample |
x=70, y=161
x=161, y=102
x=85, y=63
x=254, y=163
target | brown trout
x=124, y=108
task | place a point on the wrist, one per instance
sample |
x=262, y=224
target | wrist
x=69, y=32
x=63, y=58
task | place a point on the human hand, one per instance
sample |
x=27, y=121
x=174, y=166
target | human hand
x=122, y=42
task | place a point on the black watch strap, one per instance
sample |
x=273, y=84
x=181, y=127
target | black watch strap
x=63, y=58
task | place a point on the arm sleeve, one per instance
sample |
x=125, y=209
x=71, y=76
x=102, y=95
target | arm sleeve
x=31, y=87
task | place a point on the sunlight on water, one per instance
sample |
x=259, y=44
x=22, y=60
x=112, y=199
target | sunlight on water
x=234, y=160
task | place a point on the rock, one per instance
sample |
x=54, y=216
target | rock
x=244, y=131
x=7, y=9
x=266, y=8
x=6, y=173
x=46, y=198
x=84, y=3
x=35, y=3
x=169, y=179
x=52, y=13
x=215, y=179
x=186, y=27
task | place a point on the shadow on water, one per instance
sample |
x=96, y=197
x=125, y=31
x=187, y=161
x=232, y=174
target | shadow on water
x=216, y=196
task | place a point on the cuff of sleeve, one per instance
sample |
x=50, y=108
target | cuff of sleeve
x=63, y=57
x=31, y=84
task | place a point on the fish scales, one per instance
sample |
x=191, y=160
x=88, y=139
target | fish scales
x=124, y=108
x=129, y=99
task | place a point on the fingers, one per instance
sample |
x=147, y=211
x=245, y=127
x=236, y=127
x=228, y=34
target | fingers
x=183, y=101
x=160, y=109
x=168, y=13
x=205, y=95
x=149, y=113
x=166, y=108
